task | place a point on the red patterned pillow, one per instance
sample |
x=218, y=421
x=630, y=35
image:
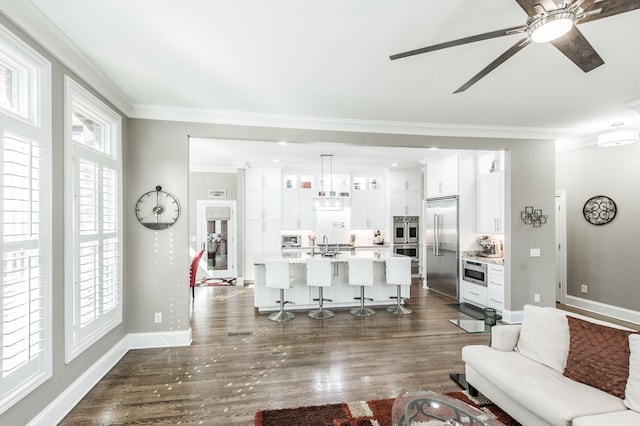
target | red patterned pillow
x=598, y=356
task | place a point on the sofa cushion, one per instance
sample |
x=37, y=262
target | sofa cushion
x=539, y=389
x=617, y=418
x=544, y=336
x=632, y=392
x=598, y=356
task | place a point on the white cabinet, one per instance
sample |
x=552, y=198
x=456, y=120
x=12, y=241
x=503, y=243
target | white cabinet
x=473, y=293
x=405, y=193
x=490, y=202
x=262, y=215
x=367, y=203
x=297, y=202
x=495, y=287
x=442, y=177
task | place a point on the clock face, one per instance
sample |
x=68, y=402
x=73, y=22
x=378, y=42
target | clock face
x=157, y=209
x=599, y=210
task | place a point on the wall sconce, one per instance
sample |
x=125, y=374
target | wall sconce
x=534, y=217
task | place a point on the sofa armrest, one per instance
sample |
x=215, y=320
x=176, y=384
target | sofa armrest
x=505, y=337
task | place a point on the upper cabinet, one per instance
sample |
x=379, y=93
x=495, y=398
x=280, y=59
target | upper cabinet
x=442, y=177
x=297, y=202
x=405, y=193
x=490, y=193
x=367, y=203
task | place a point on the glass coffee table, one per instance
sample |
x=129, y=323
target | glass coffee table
x=433, y=408
x=472, y=325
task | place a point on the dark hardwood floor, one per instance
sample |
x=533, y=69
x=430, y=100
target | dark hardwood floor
x=240, y=362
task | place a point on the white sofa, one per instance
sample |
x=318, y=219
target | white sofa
x=522, y=372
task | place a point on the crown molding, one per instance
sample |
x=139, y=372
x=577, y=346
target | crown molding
x=32, y=21
x=203, y=115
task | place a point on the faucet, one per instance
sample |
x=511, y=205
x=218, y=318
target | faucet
x=325, y=241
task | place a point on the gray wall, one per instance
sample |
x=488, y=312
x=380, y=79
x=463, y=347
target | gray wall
x=602, y=257
x=529, y=181
x=63, y=374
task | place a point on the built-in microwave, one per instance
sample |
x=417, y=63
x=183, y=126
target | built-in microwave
x=289, y=240
x=474, y=272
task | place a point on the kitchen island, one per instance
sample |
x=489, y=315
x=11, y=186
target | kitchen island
x=342, y=294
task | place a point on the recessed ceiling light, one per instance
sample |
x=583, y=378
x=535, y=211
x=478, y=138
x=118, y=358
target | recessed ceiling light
x=276, y=161
x=282, y=143
x=433, y=148
x=394, y=164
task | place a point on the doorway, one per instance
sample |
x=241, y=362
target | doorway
x=561, y=246
x=217, y=236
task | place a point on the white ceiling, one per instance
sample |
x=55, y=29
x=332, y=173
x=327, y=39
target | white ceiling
x=329, y=60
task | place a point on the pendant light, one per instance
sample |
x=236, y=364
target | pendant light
x=324, y=201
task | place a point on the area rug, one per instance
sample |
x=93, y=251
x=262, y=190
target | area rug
x=362, y=413
x=216, y=282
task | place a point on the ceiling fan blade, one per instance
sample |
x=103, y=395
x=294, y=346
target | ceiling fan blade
x=575, y=46
x=466, y=40
x=493, y=65
x=529, y=6
x=608, y=8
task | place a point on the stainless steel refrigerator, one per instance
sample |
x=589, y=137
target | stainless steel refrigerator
x=441, y=224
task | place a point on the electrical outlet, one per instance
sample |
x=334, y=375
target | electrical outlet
x=534, y=252
x=158, y=317
x=536, y=297
x=584, y=288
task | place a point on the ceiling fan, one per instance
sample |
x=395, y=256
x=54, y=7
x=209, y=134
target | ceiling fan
x=547, y=22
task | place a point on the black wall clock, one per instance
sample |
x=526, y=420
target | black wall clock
x=157, y=209
x=599, y=210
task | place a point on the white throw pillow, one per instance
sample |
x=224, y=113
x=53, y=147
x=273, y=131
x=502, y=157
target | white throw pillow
x=632, y=391
x=544, y=336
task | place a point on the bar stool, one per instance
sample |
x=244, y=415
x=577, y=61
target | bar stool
x=278, y=276
x=398, y=272
x=319, y=274
x=361, y=274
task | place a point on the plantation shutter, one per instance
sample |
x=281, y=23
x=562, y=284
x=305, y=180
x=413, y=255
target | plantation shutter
x=23, y=292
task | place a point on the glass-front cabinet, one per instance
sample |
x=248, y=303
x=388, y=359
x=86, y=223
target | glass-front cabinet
x=367, y=202
x=297, y=201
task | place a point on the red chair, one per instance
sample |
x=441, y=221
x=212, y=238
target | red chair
x=193, y=271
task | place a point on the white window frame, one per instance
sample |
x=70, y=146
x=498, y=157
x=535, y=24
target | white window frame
x=78, y=338
x=31, y=122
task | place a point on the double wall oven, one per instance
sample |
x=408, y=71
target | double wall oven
x=406, y=241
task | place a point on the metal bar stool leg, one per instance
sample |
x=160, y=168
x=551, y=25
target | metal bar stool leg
x=362, y=311
x=281, y=315
x=320, y=313
x=398, y=309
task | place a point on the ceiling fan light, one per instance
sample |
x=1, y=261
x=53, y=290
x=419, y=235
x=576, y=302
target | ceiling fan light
x=617, y=138
x=552, y=26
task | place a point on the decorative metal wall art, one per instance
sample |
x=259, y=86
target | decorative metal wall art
x=599, y=210
x=534, y=217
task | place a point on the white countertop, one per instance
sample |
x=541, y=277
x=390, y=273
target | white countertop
x=492, y=260
x=342, y=256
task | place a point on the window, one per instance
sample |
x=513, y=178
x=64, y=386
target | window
x=94, y=228
x=25, y=220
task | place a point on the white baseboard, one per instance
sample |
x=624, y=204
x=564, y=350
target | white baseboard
x=161, y=339
x=604, y=309
x=512, y=317
x=64, y=403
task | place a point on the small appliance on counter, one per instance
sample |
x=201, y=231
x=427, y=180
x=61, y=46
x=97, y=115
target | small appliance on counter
x=377, y=237
x=291, y=240
x=490, y=247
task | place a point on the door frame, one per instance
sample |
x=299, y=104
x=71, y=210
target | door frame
x=561, y=245
x=232, y=237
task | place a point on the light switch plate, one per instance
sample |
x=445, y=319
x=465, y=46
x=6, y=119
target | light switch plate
x=534, y=252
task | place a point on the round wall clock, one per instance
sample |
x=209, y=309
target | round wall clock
x=599, y=210
x=157, y=209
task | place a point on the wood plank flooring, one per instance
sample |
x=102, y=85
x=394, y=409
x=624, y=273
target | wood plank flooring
x=240, y=362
